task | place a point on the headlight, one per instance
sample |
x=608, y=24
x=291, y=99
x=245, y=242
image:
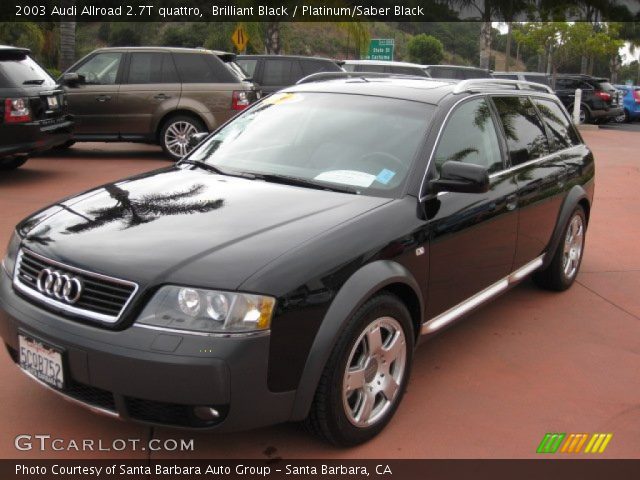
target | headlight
x=185, y=308
x=9, y=260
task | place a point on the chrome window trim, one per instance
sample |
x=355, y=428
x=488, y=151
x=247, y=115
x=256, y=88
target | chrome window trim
x=502, y=172
x=81, y=312
x=259, y=333
x=466, y=306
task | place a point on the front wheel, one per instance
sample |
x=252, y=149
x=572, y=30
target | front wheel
x=366, y=375
x=563, y=269
x=176, y=133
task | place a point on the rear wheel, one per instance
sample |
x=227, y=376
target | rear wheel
x=176, y=133
x=11, y=163
x=585, y=117
x=366, y=375
x=563, y=269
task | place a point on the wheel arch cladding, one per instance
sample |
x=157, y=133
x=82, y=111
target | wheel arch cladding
x=577, y=196
x=375, y=277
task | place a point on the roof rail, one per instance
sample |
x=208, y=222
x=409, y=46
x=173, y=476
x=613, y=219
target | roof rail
x=325, y=76
x=477, y=84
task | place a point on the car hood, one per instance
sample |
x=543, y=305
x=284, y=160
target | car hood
x=186, y=226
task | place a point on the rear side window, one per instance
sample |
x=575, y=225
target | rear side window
x=371, y=68
x=248, y=65
x=198, y=68
x=470, y=137
x=470, y=73
x=281, y=72
x=537, y=79
x=408, y=71
x=562, y=132
x=523, y=129
x=567, y=83
x=151, y=67
x=506, y=77
x=314, y=66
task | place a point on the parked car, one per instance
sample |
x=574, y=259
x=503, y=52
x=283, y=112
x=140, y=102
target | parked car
x=275, y=72
x=534, y=77
x=601, y=102
x=154, y=95
x=33, y=110
x=383, y=66
x=456, y=72
x=630, y=102
x=281, y=271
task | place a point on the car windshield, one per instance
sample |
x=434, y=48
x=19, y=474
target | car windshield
x=365, y=143
x=20, y=69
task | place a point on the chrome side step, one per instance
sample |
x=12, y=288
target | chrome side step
x=481, y=297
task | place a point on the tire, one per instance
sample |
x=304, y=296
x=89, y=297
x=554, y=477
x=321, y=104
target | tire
x=585, y=116
x=564, y=267
x=11, y=163
x=179, y=128
x=338, y=413
x=65, y=145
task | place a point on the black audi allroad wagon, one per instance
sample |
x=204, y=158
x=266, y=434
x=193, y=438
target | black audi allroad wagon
x=286, y=269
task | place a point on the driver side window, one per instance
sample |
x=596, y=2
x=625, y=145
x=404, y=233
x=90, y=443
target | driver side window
x=470, y=137
x=102, y=69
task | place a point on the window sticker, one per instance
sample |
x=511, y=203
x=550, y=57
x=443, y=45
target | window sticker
x=347, y=177
x=278, y=98
x=385, y=176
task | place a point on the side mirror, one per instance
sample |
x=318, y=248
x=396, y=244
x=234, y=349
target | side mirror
x=72, y=79
x=196, y=139
x=461, y=177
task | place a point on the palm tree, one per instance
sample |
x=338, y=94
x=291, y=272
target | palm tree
x=67, y=39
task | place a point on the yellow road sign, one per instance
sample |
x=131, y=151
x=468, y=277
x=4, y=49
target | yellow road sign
x=240, y=38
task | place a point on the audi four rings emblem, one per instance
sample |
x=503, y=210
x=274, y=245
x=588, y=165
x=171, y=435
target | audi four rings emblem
x=59, y=285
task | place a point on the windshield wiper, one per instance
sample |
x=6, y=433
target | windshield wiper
x=304, y=182
x=218, y=170
x=33, y=82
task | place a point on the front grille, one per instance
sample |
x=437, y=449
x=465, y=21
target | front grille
x=102, y=298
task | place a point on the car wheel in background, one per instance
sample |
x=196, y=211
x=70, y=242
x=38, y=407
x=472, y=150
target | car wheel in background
x=584, y=116
x=366, y=375
x=11, y=163
x=564, y=267
x=175, y=135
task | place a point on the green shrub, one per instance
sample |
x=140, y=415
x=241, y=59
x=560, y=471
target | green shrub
x=425, y=49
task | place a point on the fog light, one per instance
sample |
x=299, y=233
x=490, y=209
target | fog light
x=206, y=413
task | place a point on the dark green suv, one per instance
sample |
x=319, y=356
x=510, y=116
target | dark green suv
x=154, y=95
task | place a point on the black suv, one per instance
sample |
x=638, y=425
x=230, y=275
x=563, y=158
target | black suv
x=33, y=110
x=287, y=268
x=274, y=72
x=601, y=101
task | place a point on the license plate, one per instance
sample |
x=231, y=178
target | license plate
x=52, y=102
x=41, y=361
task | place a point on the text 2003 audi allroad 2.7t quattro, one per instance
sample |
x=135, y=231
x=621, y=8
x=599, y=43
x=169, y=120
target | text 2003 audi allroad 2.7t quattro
x=286, y=268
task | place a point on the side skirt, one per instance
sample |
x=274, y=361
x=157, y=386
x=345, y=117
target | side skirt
x=466, y=306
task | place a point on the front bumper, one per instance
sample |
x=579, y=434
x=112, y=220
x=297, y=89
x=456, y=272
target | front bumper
x=152, y=376
x=35, y=136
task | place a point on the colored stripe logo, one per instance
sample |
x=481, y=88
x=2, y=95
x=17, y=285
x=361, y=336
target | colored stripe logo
x=574, y=443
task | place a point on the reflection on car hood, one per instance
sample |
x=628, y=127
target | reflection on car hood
x=186, y=226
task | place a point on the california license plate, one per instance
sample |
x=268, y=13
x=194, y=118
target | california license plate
x=41, y=361
x=52, y=102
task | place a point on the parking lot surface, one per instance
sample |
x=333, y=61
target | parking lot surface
x=526, y=364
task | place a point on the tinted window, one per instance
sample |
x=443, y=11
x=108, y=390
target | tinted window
x=101, y=69
x=281, y=72
x=145, y=68
x=408, y=71
x=506, y=77
x=471, y=73
x=20, y=69
x=196, y=68
x=169, y=72
x=315, y=66
x=526, y=137
x=371, y=68
x=248, y=65
x=537, y=79
x=562, y=132
x=567, y=83
x=470, y=137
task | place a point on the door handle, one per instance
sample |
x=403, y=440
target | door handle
x=161, y=96
x=103, y=98
x=512, y=202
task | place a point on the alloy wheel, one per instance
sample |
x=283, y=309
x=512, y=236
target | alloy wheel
x=374, y=372
x=177, y=136
x=573, y=244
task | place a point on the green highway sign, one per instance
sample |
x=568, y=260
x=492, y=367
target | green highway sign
x=380, y=49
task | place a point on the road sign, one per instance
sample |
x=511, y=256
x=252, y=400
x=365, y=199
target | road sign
x=381, y=49
x=240, y=38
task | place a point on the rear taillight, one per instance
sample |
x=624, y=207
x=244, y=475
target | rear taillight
x=636, y=96
x=16, y=110
x=603, y=96
x=240, y=100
